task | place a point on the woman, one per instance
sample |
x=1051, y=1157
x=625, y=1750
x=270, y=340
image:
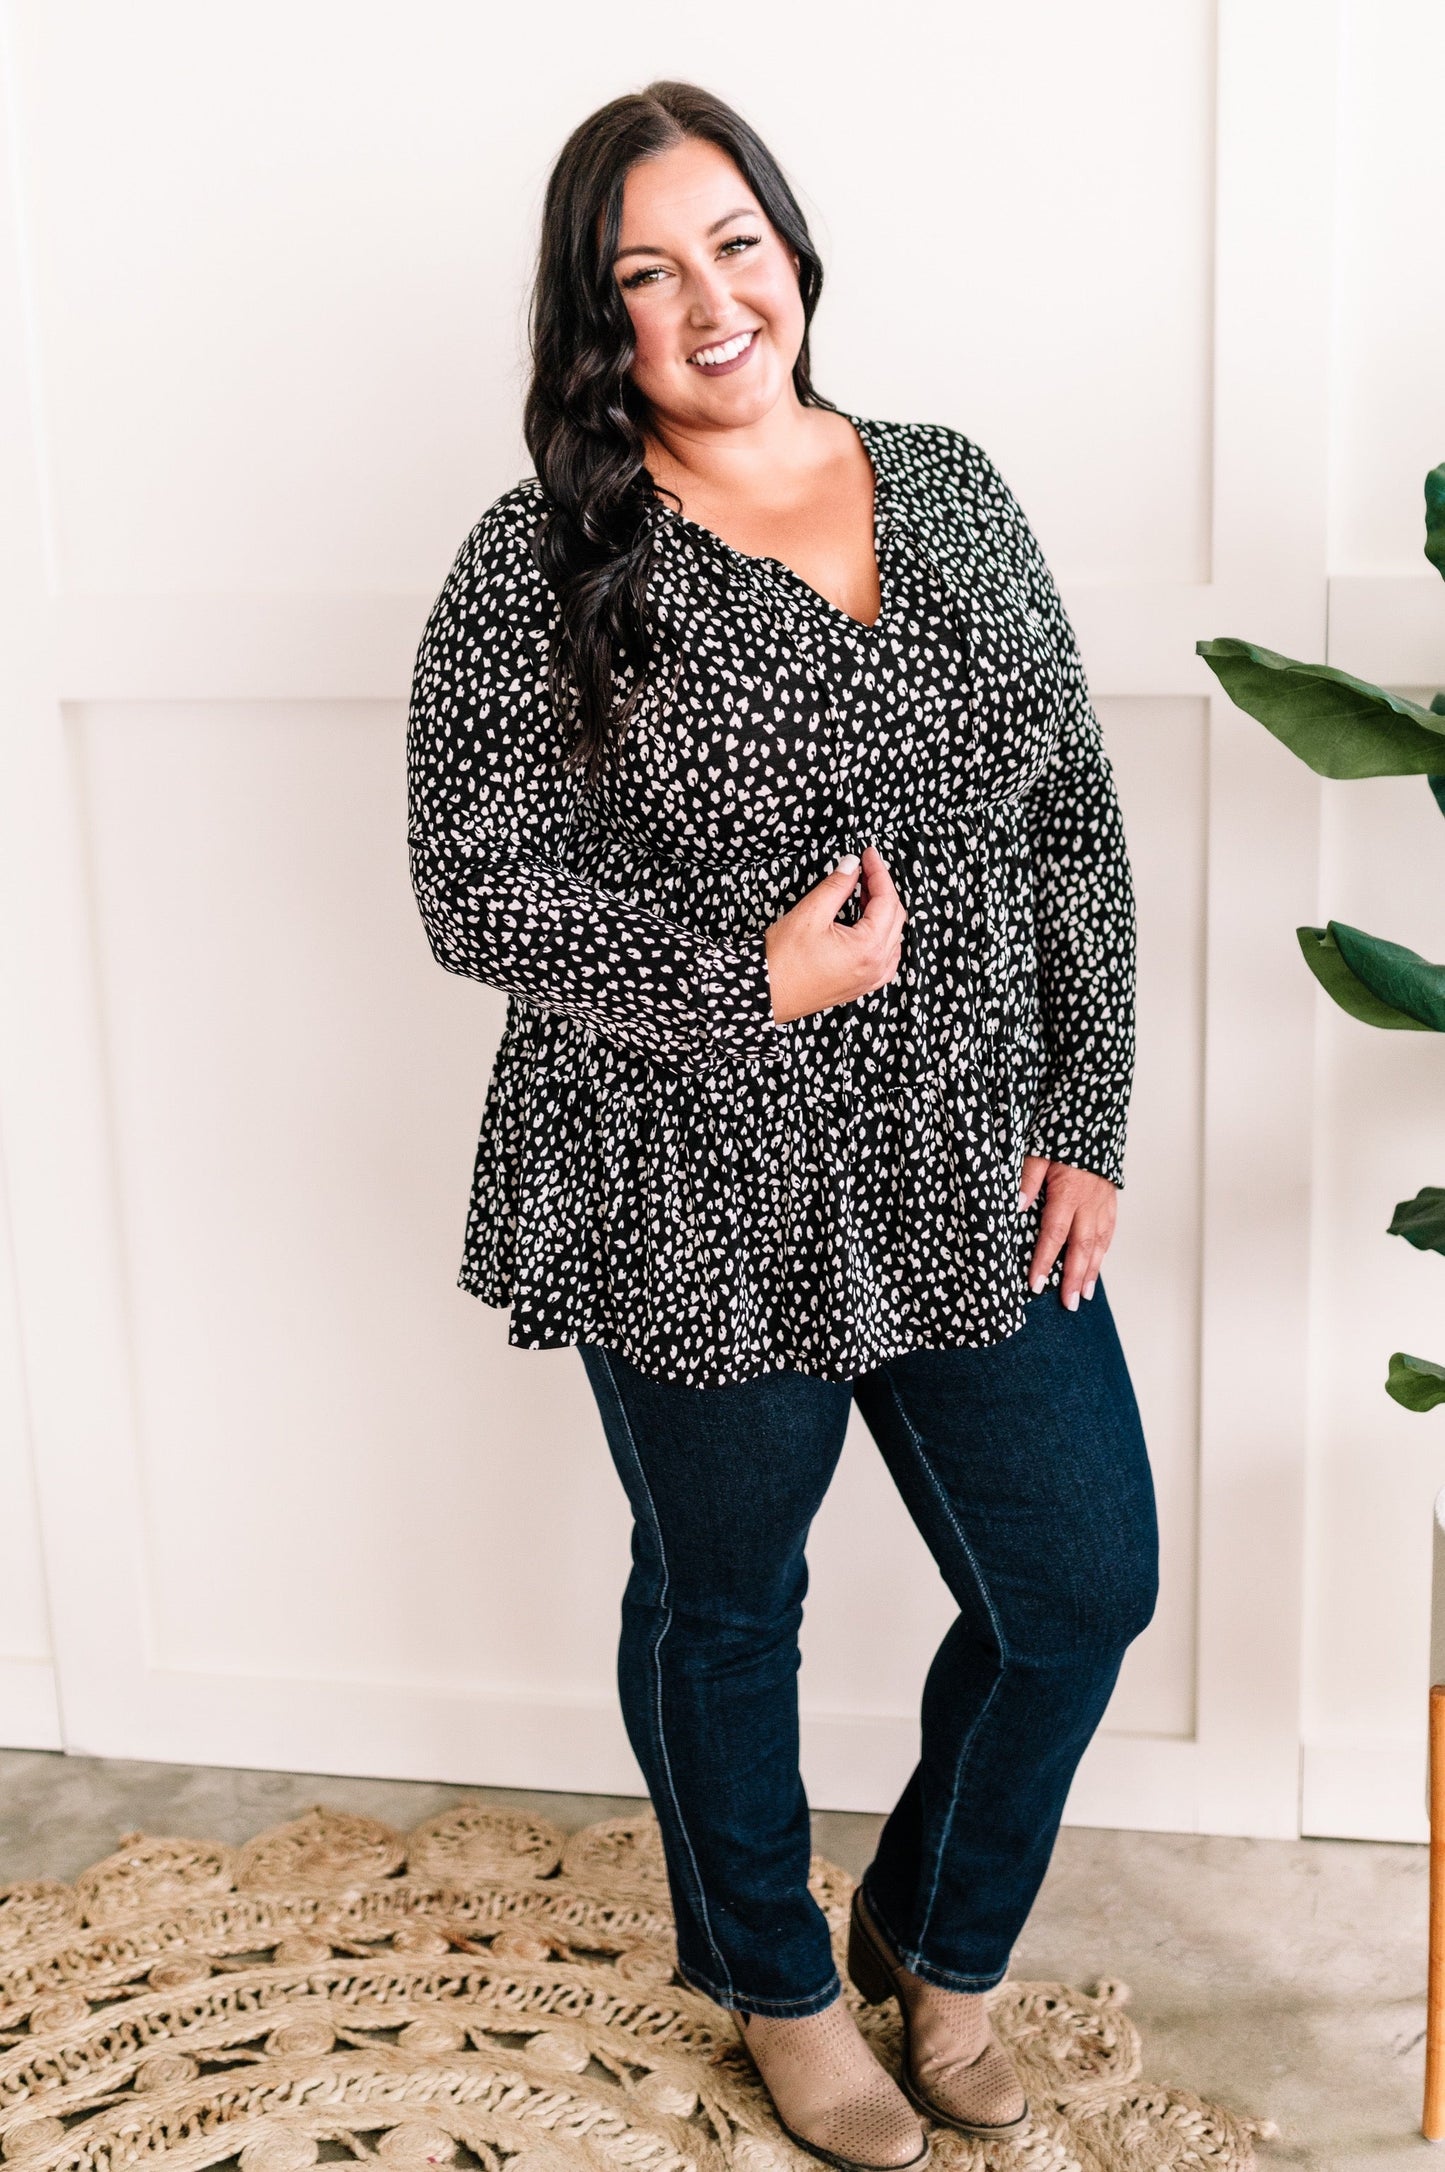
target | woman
x=750, y=752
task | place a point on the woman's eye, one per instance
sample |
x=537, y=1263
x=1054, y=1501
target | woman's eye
x=645, y=276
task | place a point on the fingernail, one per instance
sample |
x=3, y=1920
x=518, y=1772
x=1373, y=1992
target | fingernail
x=1089, y=1289
x=1023, y=1199
x=1036, y=1283
x=1071, y=1304
x=849, y=859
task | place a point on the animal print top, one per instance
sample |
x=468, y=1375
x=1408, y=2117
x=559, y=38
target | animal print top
x=663, y=1167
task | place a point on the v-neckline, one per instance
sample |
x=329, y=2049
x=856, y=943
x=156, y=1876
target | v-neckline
x=790, y=573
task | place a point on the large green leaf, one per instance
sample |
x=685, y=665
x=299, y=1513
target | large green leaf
x=1421, y=1220
x=1339, y=725
x=1435, y=517
x=1415, y=1382
x=1437, y=785
x=1399, y=977
x=1331, y=969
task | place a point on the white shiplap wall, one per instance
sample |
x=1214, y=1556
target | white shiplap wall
x=260, y=362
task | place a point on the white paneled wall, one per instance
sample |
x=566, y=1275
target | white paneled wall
x=1378, y=1098
x=261, y=359
x=28, y=1708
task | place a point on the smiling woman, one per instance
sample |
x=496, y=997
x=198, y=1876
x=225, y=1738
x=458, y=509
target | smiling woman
x=751, y=753
x=717, y=297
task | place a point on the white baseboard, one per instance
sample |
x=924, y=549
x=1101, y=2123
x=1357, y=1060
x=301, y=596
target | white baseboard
x=29, y=1711
x=567, y=1744
x=1369, y=1787
x=1137, y=1783
x=1141, y=1783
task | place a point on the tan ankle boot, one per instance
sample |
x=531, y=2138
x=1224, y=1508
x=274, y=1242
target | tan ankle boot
x=954, y=2067
x=830, y=2094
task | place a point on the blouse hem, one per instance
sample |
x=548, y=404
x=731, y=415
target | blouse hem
x=567, y=1335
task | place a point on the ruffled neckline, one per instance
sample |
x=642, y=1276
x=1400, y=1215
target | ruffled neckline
x=760, y=567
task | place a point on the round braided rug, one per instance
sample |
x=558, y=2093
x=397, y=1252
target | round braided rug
x=485, y=1992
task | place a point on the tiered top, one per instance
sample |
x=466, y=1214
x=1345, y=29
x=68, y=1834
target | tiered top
x=663, y=1167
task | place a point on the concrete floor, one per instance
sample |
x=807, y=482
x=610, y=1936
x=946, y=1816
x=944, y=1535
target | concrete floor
x=1283, y=1978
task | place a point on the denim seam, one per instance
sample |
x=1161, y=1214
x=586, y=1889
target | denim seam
x=735, y=2001
x=666, y=1610
x=966, y=1745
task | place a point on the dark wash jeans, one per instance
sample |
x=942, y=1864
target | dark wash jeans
x=1024, y=1467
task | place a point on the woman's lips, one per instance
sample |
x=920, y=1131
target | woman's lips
x=733, y=362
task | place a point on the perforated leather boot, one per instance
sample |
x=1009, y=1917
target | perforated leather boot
x=954, y=2067
x=829, y=2092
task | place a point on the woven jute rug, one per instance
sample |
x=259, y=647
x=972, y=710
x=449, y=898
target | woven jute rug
x=484, y=1991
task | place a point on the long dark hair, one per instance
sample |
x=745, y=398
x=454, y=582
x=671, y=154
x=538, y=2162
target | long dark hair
x=583, y=418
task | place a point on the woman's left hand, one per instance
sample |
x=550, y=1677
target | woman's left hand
x=1079, y=1208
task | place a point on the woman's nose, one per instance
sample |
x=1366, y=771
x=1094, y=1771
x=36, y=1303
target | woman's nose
x=710, y=298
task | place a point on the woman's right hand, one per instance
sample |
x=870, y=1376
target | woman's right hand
x=815, y=960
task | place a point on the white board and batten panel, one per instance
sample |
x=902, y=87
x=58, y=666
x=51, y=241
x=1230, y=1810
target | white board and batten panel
x=29, y=1710
x=304, y=1507
x=1375, y=1468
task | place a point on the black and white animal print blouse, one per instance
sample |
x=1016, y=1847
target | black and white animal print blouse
x=663, y=1167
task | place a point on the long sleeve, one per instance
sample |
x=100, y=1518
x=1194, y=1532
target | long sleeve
x=1084, y=905
x=490, y=806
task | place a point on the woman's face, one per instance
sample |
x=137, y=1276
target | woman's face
x=700, y=266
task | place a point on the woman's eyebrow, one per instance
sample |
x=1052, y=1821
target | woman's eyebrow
x=644, y=248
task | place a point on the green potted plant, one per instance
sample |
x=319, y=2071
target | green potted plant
x=1343, y=727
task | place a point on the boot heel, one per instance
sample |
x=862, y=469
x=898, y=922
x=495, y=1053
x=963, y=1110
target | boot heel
x=867, y=1971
